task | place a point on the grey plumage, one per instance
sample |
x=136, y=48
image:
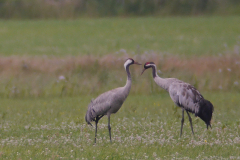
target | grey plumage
x=110, y=101
x=185, y=96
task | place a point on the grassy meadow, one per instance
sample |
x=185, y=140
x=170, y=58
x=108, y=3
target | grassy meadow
x=51, y=69
x=176, y=35
x=146, y=127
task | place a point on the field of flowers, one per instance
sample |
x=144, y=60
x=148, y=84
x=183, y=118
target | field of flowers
x=51, y=69
x=146, y=127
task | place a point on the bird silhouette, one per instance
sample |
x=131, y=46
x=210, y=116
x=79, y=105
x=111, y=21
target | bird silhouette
x=185, y=96
x=110, y=101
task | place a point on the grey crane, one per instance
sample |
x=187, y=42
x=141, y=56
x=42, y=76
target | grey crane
x=185, y=96
x=110, y=101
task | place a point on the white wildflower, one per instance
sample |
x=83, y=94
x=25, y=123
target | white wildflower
x=154, y=154
x=61, y=77
x=27, y=127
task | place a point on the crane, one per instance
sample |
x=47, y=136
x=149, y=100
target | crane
x=184, y=96
x=110, y=101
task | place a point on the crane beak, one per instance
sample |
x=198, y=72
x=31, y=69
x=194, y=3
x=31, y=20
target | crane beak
x=137, y=63
x=143, y=70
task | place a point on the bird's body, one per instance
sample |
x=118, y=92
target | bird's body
x=182, y=94
x=185, y=96
x=110, y=101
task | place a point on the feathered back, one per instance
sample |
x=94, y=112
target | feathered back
x=205, y=111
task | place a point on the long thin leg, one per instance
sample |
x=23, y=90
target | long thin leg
x=182, y=121
x=209, y=125
x=96, y=122
x=109, y=127
x=190, y=120
x=100, y=117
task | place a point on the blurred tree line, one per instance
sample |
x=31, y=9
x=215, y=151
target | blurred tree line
x=100, y=8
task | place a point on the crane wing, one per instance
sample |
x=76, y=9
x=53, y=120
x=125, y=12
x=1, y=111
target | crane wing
x=101, y=105
x=186, y=96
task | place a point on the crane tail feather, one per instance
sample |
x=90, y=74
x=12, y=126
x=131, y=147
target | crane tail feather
x=205, y=112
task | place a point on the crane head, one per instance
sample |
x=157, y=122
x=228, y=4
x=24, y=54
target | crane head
x=147, y=65
x=130, y=61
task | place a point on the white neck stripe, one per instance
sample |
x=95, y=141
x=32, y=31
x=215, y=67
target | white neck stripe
x=148, y=65
x=129, y=61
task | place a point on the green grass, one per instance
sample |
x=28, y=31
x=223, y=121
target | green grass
x=146, y=127
x=42, y=117
x=175, y=35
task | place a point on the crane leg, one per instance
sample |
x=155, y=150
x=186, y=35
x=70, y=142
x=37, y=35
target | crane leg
x=209, y=125
x=182, y=121
x=96, y=122
x=96, y=131
x=109, y=127
x=190, y=120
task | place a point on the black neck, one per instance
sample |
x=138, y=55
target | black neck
x=154, y=71
x=128, y=73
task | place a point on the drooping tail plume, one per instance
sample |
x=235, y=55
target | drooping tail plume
x=205, y=112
